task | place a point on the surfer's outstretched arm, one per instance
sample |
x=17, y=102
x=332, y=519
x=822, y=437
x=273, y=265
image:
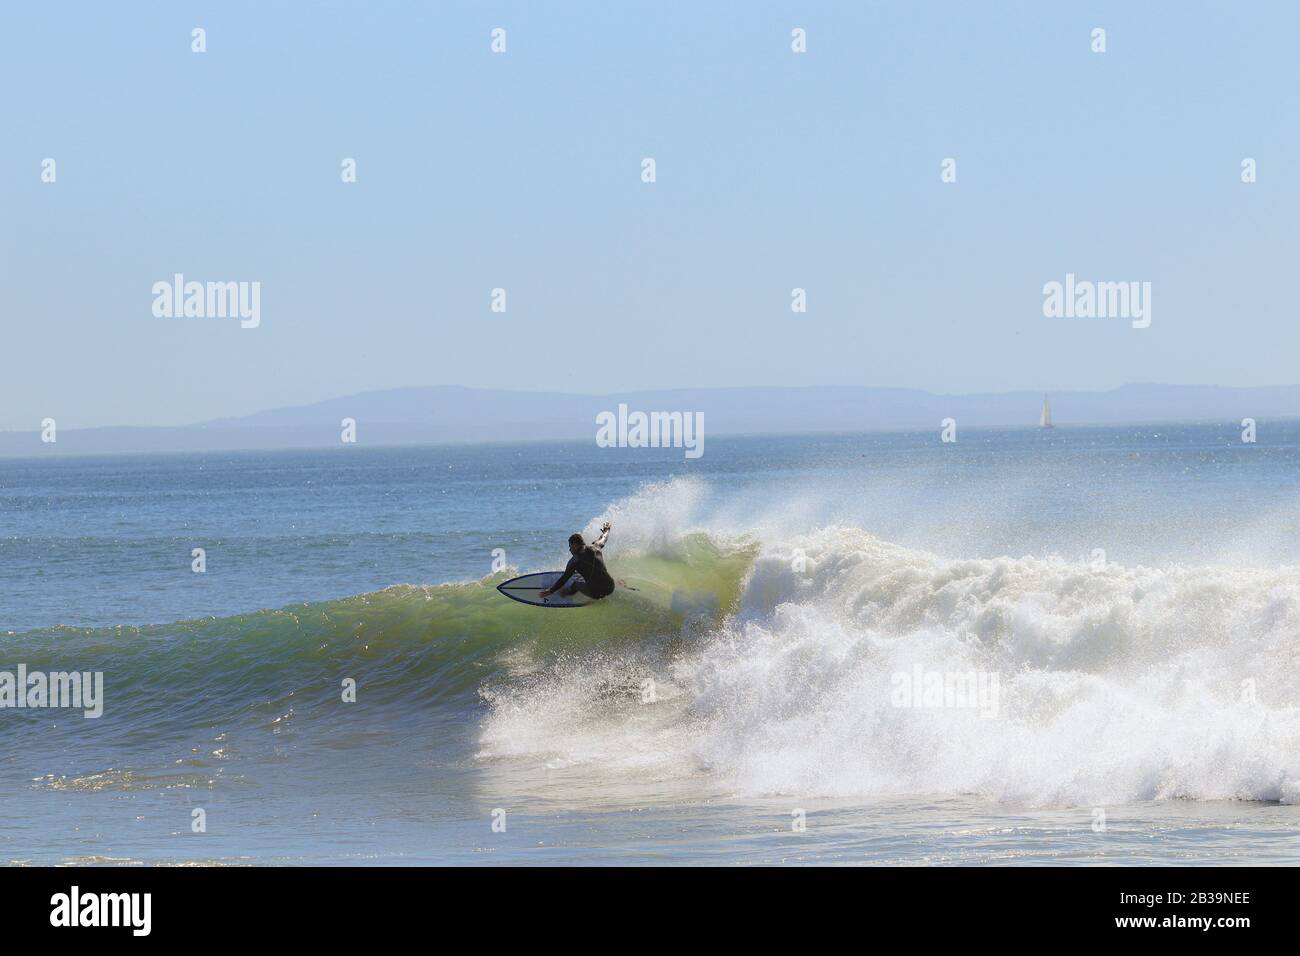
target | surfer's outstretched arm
x=604, y=533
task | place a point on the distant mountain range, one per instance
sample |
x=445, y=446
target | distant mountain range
x=448, y=413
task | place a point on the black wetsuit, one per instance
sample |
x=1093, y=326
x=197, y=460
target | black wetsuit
x=590, y=563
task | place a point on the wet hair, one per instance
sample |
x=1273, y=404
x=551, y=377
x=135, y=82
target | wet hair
x=577, y=539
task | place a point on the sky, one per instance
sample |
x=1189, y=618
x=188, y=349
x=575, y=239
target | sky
x=522, y=170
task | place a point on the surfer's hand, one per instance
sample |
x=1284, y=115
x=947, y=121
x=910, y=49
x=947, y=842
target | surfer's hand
x=605, y=527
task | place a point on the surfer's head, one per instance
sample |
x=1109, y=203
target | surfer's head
x=576, y=544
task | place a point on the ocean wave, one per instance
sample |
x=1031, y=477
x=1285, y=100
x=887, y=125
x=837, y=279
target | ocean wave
x=827, y=663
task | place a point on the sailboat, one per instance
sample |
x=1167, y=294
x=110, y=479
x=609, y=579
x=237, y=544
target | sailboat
x=1045, y=420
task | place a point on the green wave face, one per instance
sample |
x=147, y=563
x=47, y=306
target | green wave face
x=406, y=647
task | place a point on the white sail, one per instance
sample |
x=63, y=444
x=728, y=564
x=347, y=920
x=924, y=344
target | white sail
x=1045, y=420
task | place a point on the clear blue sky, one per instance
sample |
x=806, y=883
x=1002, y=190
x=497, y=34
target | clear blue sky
x=521, y=170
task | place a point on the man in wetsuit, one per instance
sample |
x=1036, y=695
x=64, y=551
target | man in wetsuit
x=589, y=561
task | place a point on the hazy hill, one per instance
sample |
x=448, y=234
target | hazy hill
x=446, y=413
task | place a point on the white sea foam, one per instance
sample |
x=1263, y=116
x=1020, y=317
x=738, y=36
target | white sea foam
x=1114, y=684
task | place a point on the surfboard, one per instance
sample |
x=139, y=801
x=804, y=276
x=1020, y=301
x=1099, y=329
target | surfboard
x=527, y=589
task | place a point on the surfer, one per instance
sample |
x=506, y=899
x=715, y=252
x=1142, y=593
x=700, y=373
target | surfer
x=588, y=561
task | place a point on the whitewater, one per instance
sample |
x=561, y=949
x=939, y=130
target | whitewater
x=1117, y=684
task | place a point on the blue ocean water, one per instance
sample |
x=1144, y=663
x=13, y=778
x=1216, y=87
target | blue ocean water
x=1135, y=592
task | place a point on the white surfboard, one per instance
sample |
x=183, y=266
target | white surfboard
x=527, y=589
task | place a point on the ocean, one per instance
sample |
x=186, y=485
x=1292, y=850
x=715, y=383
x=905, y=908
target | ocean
x=1067, y=646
